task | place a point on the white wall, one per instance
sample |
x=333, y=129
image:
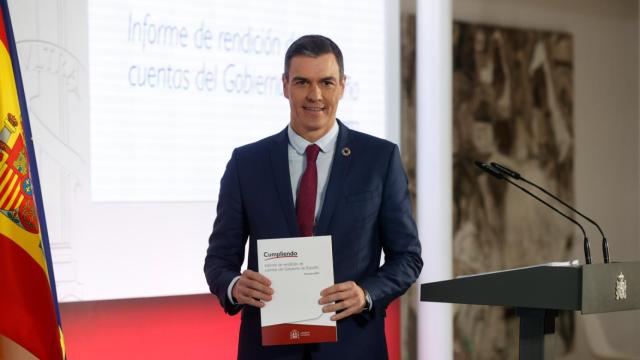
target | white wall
x=607, y=159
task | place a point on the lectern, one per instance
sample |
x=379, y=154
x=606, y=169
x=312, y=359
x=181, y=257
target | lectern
x=538, y=292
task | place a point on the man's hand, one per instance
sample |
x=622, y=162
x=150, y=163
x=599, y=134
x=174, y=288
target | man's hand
x=349, y=299
x=252, y=288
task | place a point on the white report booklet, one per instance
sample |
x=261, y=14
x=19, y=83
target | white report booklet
x=299, y=268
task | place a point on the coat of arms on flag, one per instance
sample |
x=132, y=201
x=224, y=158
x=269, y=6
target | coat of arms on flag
x=16, y=193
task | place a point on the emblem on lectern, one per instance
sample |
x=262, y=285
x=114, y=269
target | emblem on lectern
x=621, y=288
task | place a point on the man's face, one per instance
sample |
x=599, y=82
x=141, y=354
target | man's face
x=314, y=87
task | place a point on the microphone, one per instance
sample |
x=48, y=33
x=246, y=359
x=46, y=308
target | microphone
x=500, y=176
x=510, y=173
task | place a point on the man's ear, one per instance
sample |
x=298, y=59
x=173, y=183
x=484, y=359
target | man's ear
x=342, y=83
x=285, y=85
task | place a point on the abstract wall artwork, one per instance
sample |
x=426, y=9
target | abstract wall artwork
x=512, y=104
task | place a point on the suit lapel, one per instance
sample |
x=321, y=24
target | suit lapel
x=280, y=165
x=335, y=187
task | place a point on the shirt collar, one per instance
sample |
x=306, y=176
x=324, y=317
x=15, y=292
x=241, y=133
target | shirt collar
x=325, y=143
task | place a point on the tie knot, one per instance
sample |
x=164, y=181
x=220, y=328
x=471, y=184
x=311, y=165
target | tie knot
x=312, y=153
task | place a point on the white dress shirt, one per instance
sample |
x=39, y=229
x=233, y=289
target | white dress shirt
x=298, y=162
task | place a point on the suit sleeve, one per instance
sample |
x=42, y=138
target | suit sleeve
x=225, y=253
x=399, y=238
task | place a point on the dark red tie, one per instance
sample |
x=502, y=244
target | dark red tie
x=306, y=201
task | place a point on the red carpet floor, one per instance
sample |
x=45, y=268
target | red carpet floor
x=180, y=327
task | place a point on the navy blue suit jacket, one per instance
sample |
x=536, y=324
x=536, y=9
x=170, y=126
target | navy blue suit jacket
x=366, y=209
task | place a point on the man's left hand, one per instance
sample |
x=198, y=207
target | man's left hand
x=345, y=299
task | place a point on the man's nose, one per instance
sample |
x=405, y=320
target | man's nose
x=314, y=93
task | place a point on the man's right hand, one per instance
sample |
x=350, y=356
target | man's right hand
x=252, y=288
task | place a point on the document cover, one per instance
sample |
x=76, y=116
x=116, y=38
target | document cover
x=299, y=268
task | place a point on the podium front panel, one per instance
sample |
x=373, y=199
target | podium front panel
x=610, y=287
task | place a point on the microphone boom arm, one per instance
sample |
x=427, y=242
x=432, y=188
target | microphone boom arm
x=587, y=247
x=506, y=172
x=502, y=173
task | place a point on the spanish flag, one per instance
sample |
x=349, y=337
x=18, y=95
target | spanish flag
x=29, y=314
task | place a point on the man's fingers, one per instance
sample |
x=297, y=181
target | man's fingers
x=339, y=292
x=251, y=297
x=246, y=300
x=255, y=294
x=255, y=285
x=345, y=299
x=255, y=280
x=343, y=309
x=334, y=297
x=340, y=306
x=256, y=276
x=252, y=288
x=337, y=288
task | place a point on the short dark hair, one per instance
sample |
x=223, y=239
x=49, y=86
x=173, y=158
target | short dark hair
x=313, y=46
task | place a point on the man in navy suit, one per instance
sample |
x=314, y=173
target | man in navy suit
x=316, y=177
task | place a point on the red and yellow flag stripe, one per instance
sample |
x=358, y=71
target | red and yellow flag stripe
x=27, y=308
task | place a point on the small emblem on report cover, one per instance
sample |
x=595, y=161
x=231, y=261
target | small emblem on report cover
x=294, y=334
x=621, y=288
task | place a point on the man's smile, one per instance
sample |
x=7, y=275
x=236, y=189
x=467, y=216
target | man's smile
x=313, y=108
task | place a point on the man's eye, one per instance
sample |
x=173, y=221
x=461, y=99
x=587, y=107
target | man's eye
x=328, y=83
x=300, y=82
